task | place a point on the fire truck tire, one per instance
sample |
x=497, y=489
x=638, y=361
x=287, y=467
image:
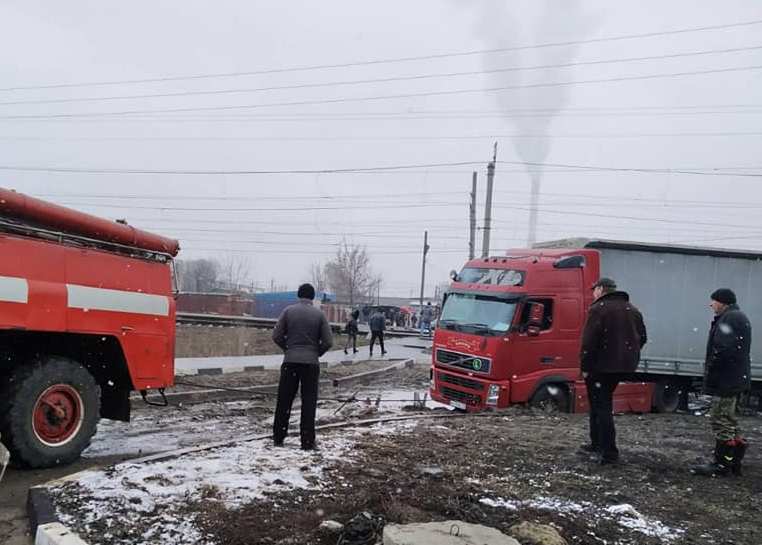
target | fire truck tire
x=49, y=411
x=552, y=398
x=666, y=396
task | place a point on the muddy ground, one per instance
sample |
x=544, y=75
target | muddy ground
x=494, y=470
x=187, y=423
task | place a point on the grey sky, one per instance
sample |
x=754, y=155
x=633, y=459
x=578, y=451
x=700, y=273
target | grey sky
x=635, y=123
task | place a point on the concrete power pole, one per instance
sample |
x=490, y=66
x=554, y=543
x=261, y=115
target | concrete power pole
x=488, y=203
x=472, y=220
x=423, y=266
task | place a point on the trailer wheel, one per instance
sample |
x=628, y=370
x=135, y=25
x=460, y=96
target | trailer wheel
x=50, y=410
x=551, y=399
x=667, y=396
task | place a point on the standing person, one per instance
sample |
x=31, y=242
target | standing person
x=427, y=314
x=612, y=338
x=304, y=335
x=727, y=373
x=377, y=323
x=352, y=329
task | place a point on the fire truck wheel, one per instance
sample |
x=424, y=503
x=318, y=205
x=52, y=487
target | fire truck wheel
x=50, y=410
x=551, y=398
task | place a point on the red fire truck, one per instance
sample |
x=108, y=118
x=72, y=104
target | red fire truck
x=87, y=315
x=510, y=326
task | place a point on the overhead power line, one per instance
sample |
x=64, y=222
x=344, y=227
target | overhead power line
x=401, y=138
x=235, y=172
x=82, y=170
x=342, y=100
x=389, y=60
x=623, y=111
x=417, y=77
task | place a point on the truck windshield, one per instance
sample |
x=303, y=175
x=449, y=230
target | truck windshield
x=477, y=314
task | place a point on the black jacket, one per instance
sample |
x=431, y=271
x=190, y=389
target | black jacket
x=613, y=336
x=303, y=333
x=727, y=371
x=377, y=321
x=351, y=327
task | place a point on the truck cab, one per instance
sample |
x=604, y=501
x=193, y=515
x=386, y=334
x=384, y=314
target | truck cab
x=510, y=331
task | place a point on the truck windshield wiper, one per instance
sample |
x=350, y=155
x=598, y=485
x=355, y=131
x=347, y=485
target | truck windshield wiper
x=477, y=326
x=448, y=324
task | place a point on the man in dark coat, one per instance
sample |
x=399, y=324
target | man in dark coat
x=377, y=324
x=727, y=374
x=351, y=330
x=304, y=335
x=612, y=338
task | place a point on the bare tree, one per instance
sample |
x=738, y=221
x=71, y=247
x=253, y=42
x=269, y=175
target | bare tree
x=348, y=274
x=319, y=277
x=197, y=275
x=235, y=271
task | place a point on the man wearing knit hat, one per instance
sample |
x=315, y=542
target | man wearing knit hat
x=304, y=334
x=727, y=374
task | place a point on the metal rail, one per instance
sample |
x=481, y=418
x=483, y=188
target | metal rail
x=191, y=318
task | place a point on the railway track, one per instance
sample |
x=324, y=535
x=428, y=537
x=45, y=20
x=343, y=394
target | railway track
x=190, y=318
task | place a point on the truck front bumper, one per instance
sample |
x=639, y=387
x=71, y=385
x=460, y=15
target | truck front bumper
x=468, y=392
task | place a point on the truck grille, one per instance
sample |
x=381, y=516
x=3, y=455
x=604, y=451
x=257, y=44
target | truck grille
x=464, y=397
x=463, y=361
x=460, y=381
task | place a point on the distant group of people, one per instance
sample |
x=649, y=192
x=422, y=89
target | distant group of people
x=612, y=338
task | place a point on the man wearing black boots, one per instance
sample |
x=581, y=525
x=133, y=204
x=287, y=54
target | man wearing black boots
x=727, y=374
x=304, y=335
x=612, y=338
x=377, y=324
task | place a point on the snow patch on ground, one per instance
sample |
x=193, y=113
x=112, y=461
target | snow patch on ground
x=152, y=495
x=629, y=517
x=625, y=515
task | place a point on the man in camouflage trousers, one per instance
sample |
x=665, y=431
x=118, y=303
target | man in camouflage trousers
x=727, y=374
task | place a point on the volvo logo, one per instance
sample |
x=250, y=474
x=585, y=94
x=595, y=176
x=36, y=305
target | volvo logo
x=476, y=363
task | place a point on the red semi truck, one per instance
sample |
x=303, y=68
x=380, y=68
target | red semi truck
x=87, y=315
x=510, y=326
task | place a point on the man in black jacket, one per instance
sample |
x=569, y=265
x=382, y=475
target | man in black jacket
x=304, y=335
x=377, y=324
x=612, y=338
x=727, y=374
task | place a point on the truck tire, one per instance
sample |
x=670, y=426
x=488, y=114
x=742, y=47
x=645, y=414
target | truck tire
x=49, y=411
x=551, y=398
x=666, y=396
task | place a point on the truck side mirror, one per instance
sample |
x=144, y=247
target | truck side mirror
x=536, y=315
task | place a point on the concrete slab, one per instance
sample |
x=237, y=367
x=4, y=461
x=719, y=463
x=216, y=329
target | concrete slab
x=56, y=533
x=449, y=532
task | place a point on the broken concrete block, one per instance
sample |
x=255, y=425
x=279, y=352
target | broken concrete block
x=331, y=526
x=435, y=472
x=450, y=532
x=530, y=533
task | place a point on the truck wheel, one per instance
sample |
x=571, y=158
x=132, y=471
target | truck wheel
x=50, y=410
x=551, y=398
x=666, y=396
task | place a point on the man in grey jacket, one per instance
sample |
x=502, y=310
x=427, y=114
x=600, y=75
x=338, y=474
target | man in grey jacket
x=304, y=335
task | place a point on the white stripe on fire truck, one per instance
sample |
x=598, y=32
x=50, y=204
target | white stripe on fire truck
x=89, y=298
x=14, y=290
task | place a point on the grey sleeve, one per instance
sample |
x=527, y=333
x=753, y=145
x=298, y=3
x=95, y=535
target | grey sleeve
x=326, y=336
x=281, y=331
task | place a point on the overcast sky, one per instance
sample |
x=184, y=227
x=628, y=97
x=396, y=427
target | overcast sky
x=680, y=101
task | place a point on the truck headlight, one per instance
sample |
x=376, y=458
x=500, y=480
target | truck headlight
x=493, y=393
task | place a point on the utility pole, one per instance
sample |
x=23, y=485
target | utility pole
x=488, y=203
x=472, y=220
x=423, y=266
